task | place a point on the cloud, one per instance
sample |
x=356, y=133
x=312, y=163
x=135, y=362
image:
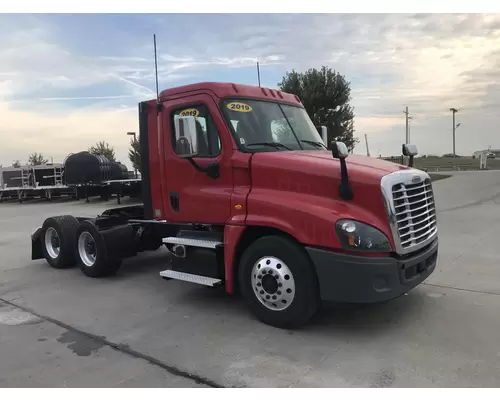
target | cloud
x=63, y=86
x=57, y=134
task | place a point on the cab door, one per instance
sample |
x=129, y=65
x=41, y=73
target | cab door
x=191, y=194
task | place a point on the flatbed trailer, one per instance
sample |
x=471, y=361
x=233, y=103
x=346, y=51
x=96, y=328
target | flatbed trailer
x=118, y=187
x=271, y=214
x=33, y=181
x=45, y=192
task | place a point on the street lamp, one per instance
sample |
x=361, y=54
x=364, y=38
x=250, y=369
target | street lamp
x=135, y=153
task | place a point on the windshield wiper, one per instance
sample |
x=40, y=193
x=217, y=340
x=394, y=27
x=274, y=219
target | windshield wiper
x=317, y=144
x=272, y=144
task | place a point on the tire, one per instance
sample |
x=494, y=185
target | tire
x=91, y=253
x=59, y=252
x=296, y=300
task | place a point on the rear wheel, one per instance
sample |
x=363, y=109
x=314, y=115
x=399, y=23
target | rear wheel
x=278, y=281
x=58, y=240
x=91, y=252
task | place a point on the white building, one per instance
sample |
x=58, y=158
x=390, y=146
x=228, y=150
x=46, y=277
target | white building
x=492, y=153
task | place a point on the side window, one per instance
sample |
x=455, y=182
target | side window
x=209, y=143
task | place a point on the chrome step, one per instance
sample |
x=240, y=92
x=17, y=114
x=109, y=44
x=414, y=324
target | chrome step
x=209, y=244
x=183, y=276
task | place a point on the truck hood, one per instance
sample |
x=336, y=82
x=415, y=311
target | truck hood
x=314, y=177
x=361, y=169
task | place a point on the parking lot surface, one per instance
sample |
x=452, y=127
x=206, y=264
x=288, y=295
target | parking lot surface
x=60, y=328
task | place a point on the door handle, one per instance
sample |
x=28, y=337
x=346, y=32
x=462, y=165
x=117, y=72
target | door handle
x=174, y=200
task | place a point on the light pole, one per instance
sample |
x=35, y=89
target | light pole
x=454, y=110
x=135, y=153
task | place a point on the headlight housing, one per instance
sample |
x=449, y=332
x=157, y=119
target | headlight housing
x=357, y=236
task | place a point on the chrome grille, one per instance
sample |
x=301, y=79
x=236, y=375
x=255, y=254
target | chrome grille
x=411, y=210
x=415, y=212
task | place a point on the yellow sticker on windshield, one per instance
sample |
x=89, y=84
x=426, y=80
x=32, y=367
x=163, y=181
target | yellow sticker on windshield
x=190, y=112
x=239, y=107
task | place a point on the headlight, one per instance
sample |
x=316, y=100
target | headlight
x=358, y=236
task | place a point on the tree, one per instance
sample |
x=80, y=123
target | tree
x=325, y=95
x=37, y=159
x=134, y=154
x=103, y=148
x=16, y=164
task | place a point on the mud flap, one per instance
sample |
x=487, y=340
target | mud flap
x=36, y=245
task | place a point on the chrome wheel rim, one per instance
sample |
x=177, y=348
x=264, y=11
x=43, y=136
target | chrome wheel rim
x=87, y=249
x=52, y=243
x=273, y=283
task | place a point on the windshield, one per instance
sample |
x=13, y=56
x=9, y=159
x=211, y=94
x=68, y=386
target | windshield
x=267, y=126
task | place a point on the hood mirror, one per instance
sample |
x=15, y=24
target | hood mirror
x=339, y=150
x=410, y=150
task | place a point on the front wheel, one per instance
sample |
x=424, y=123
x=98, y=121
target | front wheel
x=278, y=281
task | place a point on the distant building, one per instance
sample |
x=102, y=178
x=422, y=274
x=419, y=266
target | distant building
x=492, y=153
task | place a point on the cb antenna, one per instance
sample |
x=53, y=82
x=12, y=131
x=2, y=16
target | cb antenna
x=158, y=105
x=156, y=70
x=258, y=72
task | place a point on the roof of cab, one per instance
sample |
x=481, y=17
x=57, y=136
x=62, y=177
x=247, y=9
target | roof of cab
x=223, y=89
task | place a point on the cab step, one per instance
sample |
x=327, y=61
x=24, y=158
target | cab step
x=186, y=241
x=183, y=276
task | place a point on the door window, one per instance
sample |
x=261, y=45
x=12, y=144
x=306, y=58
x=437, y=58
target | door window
x=209, y=143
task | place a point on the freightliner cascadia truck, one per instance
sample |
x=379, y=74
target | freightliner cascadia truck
x=240, y=187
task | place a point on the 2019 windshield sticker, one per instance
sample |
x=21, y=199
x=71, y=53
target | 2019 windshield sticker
x=239, y=107
x=190, y=112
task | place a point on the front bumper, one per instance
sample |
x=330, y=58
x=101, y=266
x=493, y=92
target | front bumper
x=354, y=279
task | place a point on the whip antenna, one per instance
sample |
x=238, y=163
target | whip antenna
x=156, y=70
x=258, y=72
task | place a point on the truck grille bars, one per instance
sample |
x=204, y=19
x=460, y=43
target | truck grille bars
x=415, y=212
x=411, y=209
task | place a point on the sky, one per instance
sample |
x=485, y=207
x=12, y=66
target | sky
x=70, y=80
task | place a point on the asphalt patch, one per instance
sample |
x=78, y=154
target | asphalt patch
x=82, y=345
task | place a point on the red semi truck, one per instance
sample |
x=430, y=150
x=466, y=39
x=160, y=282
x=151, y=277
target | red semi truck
x=240, y=187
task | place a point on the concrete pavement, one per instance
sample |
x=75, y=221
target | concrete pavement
x=444, y=333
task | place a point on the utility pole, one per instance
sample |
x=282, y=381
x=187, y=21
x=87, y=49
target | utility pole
x=367, y=150
x=407, y=130
x=454, y=110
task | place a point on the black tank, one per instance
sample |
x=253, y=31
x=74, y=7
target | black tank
x=118, y=171
x=84, y=167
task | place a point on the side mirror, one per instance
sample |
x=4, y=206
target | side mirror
x=186, y=140
x=339, y=150
x=410, y=150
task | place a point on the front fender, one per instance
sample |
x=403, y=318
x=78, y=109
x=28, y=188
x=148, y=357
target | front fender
x=309, y=219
